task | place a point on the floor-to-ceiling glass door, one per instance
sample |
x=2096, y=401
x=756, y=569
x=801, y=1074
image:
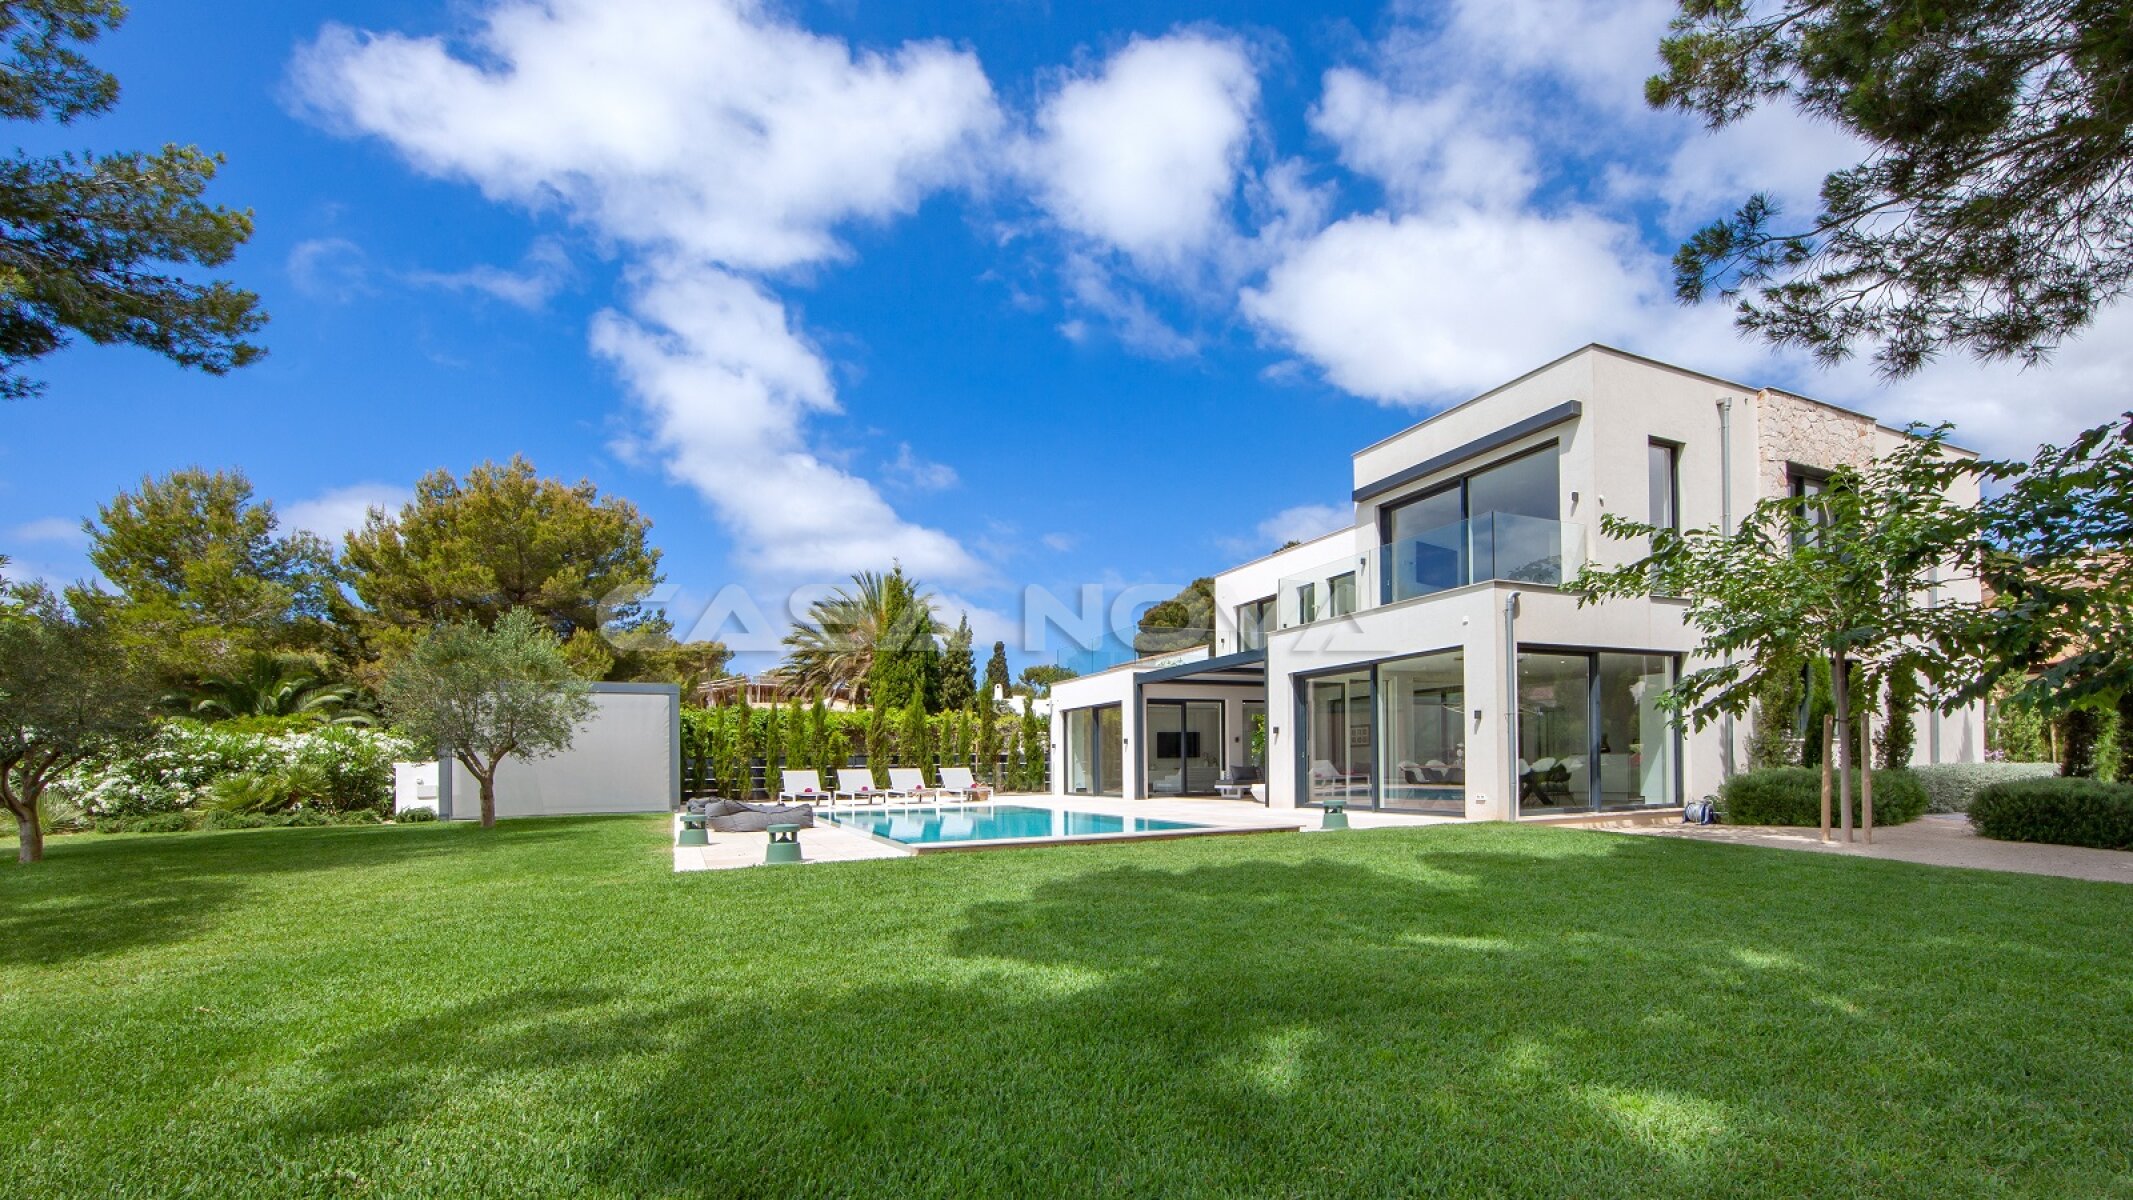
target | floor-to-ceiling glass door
x=1095, y=750
x=1339, y=736
x=1184, y=744
x=1592, y=733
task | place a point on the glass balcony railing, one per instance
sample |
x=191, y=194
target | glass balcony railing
x=1493, y=546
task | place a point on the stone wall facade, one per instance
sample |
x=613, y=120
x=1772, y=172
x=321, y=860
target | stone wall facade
x=1791, y=430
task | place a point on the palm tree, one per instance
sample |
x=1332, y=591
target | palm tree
x=833, y=650
x=272, y=685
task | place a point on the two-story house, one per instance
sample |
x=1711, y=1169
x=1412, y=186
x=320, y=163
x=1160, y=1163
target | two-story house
x=1426, y=658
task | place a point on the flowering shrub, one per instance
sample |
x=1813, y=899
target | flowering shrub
x=180, y=768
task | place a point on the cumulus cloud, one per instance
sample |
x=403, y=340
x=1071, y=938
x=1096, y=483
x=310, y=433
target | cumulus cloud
x=712, y=142
x=336, y=512
x=1143, y=154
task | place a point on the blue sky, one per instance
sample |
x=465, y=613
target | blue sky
x=1019, y=294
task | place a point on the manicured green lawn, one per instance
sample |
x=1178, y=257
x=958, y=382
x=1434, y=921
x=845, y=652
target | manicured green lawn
x=1479, y=1011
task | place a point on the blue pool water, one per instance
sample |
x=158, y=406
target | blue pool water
x=990, y=822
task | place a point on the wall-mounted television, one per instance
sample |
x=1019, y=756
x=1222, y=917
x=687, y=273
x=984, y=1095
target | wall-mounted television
x=1177, y=745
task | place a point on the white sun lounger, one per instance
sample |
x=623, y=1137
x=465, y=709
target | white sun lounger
x=958, y=782
x=859, y=785
x=911, y=781
x=805, y=787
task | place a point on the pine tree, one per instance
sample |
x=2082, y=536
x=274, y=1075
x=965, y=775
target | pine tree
x=878, y=744
x=996, y=677
x=958, y=669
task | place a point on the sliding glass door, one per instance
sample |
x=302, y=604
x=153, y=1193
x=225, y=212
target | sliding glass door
x=1422, y=733
x=1184, y=741
x=1338, y=737
x=1095, y=750
x=1592, y=734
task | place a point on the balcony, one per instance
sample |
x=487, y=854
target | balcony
x=1492, y=546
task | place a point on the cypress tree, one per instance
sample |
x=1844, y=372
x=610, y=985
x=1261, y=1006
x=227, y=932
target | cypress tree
x=818, y=742
x=877, y=743
x=773, y=751
x=913, y=743
x=1899, y=738
x=988, y=745
x=959, y=685
x=1012, y=775
x=996, y=676
x=1036, y=747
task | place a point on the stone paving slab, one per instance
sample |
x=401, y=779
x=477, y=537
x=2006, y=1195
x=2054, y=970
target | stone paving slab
x=1938, y=839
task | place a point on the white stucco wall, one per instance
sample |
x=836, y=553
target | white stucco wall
x=625, y=758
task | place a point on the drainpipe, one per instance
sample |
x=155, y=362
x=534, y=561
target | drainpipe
x=1510, y=708
x=1725, y=525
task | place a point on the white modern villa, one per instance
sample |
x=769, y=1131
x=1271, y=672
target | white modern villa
x=1426, y=659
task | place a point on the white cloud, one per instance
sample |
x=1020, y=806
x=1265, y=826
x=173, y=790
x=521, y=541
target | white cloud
x=543, y=272
x=708, y=140
x=328, y=268
x=1304, y=522
x=49, y=529
x=909, y=470
x=726, y=385
x=1125, y=311
x=1059, y=543
x=1413, y=309
x=337, y=511
x=1419, y=148
x=1143, y=155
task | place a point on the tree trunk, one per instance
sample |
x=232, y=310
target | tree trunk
x=32, y=835
x=1828, y=736
x=1866, y=776
x=1840, y=696
x=488, y=799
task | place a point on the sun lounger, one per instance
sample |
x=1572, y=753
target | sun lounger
x=959, y=783
x=859, y=785
x=804, y=787
x=910, y=781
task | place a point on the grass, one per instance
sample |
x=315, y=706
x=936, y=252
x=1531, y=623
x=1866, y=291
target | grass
x=546, y=1010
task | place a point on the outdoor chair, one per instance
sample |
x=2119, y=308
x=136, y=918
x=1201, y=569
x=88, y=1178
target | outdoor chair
x=911, y=781
x=804, y=786
x=1236, y=783
x=859, y=785
x=961, y=783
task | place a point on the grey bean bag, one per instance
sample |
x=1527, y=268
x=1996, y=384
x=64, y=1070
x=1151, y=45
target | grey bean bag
x=734, y=816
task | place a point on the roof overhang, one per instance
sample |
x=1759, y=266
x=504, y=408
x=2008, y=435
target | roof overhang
x=1242, y=669
x=1567, y=410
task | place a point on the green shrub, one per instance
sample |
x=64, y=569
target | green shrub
x=162, y=822
x=414, y=816
x=231, y=819
x=1950, y=787
x=358, y=816
x=2064, y=811
x=1793, y=796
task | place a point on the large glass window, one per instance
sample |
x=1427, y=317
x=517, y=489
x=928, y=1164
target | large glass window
x=1422, y=733
x=1501, y=522
x=1337, y=738
x=1184, y=747
x=1255, y=734
x=1253, y=621
x=1592, y=733
x=1554, y=732
x=1665, y=485
x=1636, y=750
x=1341, y=589
x=1095, y=750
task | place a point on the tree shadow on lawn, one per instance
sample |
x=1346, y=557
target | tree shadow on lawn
x=96, y=895
x=1603, y=1016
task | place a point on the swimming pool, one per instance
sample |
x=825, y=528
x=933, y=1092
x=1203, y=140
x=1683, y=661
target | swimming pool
x=957, y=824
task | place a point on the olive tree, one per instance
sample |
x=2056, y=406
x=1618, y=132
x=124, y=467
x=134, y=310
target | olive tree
x=486, y=694
x=68, y=691
x=1854, y=575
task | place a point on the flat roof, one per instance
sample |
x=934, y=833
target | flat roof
x=1618, y=352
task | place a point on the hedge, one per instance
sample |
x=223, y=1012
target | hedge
x=2061, y=811
x=1950, y=787
x=1793, y=796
